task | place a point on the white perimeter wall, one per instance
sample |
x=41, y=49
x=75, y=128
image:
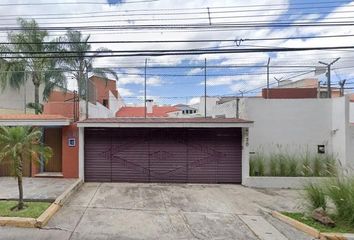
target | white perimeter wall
x=95, y=111
x=341, y=129
x=351, y=112
x=296, y=124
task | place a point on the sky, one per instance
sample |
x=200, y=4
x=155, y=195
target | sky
x=185, y=85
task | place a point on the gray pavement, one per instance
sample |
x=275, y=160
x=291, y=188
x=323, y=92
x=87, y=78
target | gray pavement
x=165, y=211
x=34, y=188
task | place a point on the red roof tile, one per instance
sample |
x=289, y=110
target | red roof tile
x=31, y=117
x=157, y=111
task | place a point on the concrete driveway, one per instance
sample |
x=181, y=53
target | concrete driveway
x=164, y=211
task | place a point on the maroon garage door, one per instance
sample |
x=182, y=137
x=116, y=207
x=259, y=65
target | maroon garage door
x=163, y=155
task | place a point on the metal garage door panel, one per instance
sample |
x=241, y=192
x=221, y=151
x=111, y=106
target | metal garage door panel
x=168, y=155
x=228, y=143
x=163, y=155
x=130, y=155
x=97, y=155
x=202, y=157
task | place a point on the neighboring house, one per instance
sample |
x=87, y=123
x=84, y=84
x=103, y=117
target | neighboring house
x=152, y=111
x=104, y=101
x=107, y=94
x=186, y=110
x=14, y=101
x=59, y=133
x=305, y=88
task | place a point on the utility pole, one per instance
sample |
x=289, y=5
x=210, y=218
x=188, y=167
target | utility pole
x=145, y=86
x=268, y=77
x=205, y=88
x=328, y=74
x=241, y=92
x=209, y=16
x=278, y=80
x=341, y=84
x=87, y=90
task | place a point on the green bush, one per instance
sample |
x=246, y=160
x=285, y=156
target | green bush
x=341, y=192
x=306, y=165
x=293, y=169
x=273, y=165
x=330, y=163
x=286, y=164
x=317, y=165
x=256, y=165
x=315, y=197
x=283, y=163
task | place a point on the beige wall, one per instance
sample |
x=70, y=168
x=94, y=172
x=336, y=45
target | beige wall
x=14, y=101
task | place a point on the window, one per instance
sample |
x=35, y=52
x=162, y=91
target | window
x=105, y=103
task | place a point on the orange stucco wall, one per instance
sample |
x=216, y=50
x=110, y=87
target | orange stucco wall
x=70, y=155
x=65, y=109
x=59, y=96
x=103, y=86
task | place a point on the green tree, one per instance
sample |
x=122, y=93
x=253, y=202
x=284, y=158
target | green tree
x=78, y=62
x=21, y=144
x=29, y=56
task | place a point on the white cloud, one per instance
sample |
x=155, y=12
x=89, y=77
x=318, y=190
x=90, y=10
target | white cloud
x=139, y=80
x=194, y=100
x=235, y=83
x=125, y=92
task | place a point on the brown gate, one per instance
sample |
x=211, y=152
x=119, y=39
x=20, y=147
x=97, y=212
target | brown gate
x=163, y=155
x=53, y=139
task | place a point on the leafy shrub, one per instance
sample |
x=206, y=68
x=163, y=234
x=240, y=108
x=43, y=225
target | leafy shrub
x=341, y=192
x=317, y=166
x=257, y=165
x=315, y=196
x=306, y=166
x=273, y=165
x=293, y=169
x=285, y=164
x=330, y=163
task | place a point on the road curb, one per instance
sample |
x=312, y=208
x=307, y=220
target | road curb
x=18, y=222
x=43, y=219
x=310, y=230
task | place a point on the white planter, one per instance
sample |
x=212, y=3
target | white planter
x=281, y=182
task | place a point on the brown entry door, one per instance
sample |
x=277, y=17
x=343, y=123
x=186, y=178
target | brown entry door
x=163, y=155
x=53, y=139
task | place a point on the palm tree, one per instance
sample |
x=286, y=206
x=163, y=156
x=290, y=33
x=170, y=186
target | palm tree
x=21, y=144
x=80, y=62
x=26, y=48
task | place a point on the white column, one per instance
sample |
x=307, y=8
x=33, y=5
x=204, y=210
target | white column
x=245, y=154
x=81, y=152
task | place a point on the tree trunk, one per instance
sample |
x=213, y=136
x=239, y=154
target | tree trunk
x=20, y=186
x=36, y=98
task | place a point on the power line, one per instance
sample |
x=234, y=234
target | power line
x=158, y=52
x=165, y=9
x=70, y=3
x=153, y=15
x=185, y=41
x=226, y=25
